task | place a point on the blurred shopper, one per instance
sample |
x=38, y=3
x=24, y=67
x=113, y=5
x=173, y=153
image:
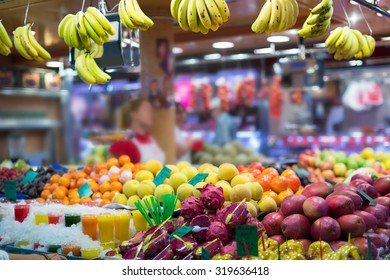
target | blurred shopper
x=226, y=126
x=142, y=147
x=183, y=144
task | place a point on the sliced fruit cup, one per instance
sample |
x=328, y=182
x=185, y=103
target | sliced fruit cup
x=111, y=245
x=54, y=218
x=21, y=212
x=71, y=249
x=22, y=243
x=90, y=252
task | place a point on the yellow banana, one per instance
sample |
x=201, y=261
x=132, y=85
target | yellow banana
x=202, y=29
x=343, y=37
x=85, y=41
x=4, y=50
x=182, y=14
x=44, y=54
x=94, y=24
x=192, y=16
x=371, y=43
x=104, y=22
x=283, y=15
x=174, y=7
x=135, y=12
x=79, y=23
x=202, y=13
x=214, y=13
x=296, y=12
x=261, y=23
x=275, y=16
x=67, y=32
x=362, y=42
x=83, y=71
x=322, y=6
x=4, y=37
x=61, y=26
x=92, y=34
x=333, y=37
x=291, y=18
x=223, y=9
x=26, y=44
x=147, y=21
x=18, y=44
x=214, y=27
x=100, y=76
x=124, y=16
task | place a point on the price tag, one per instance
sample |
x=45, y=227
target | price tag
x=198, y=178
x=205, y=254
x=369, y=250
x=366, y=196
x=10, y=190
x=162, y=175
x=247, y=238
x=29, y=177
x=85, y=190
x=181, y=231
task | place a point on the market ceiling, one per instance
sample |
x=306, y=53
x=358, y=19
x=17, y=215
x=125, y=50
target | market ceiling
x=47, y=14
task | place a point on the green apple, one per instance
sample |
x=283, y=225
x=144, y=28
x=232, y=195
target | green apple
x=130, y=188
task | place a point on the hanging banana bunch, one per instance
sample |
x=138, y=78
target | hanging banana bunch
x=132, y=16
x=5, y=41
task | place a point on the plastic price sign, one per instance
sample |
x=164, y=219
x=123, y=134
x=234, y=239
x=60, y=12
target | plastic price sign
x=247, y=238
x=10, y=190
x=198, y=178
x=85, y=190
x=181, y=231
x=162, y=175
x=205, y=254
x=29, y=177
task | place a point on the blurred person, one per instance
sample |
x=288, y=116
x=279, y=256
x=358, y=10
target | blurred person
x=142, y=147
x=9, y=256
x=226, y=126
x=183, y=145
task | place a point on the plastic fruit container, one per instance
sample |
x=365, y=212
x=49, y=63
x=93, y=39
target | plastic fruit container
x=108, y=245
x=90, y=253
x=71, y=248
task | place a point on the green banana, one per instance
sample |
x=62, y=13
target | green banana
x=321, y=6
x=94, y=24
x=26, y=44
x=174, y=7
x=260, y=25
x=61, y=26
x=4, y=37
x=67, y=32
x=192, y=16
x=82, y=70
x=104, y=22
x=4, y=49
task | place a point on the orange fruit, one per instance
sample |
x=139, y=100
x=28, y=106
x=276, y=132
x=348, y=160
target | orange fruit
x=273, y=195
x=124, y=159
x=85, y=199
x=264, y=181
x=116, y=186
x=64, y=181
x=63, y=189
x=47, y=186
x=282, y=195
x=53, y=187
x=73, y=193
x=80, y=182
x=95, y=177
x=74, y=200
x=105, y=187
x=112, y=194
x=81, y=175
x=66, y=200
x=105, y=201
x=97, y=195
x=107, y=195
x=128, y=166
x=100, y=166
x=88, y=169
x=271, y=172
x=103, y=172
x=72, y=184
x=279, y=184
x=293, y=182
x=55, y=178
x=59, y=193
x=114, y=177
x=299, y=191
x=45, y=194
x=288, y=172
x=112, y=162
x=94, y=186
x=40, y=200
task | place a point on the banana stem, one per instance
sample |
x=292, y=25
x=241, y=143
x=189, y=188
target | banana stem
x=25, y=15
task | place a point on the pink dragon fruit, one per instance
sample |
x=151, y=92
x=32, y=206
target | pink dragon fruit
x=230, y=249
x=183, y=245
x=156, y=244
x=135, y=253
x=236, y=214
x=202, y=221
x=255, y=222
x=180, y=222
x=191, y=207
x=218, y=230
x=133, y=242
x=213, y=247
x=212, y=197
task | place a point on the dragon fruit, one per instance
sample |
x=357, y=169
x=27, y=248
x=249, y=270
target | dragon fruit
x=212, y=197
x=255, y=222
x=183, y=245
x=213, y=247
x=166, y=254
x=236, y=214
x=154, y=231
x=169, y=227
x=135, y=253
x=220, y=213
x=156, y=245
x=180, y=222
x=202, y=221
x=127, y=245
x=218, y=230
x=191, y=207
x=230, y=249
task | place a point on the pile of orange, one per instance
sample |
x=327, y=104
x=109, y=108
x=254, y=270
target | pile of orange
x=64, y=189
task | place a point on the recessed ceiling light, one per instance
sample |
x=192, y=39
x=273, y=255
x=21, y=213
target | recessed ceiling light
x=355, y=63
x=212, y=56
x=385, y=38
x=190, y=61
x=176, y=50
x=223, y=45
x=353, y=2
x=278, y=39
x=54, y=64
x=379, y=15
x=319, y=45
x=262, y=51
x=354, y=17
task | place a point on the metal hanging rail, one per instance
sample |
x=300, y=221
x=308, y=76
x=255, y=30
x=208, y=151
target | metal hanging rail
x=373, y=7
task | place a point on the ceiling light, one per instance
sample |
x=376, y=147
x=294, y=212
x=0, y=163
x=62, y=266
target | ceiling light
x=355, y=63
x=292, y=51
x=353, y=2
x=190, y=61
x=212, y=56
x=176, y=50
x=223, y=45
x=239, y=56
x=385, y=38
x=320, y=45
x=278, y=39
x=262, y=51
x=354, y=18
x=54, y=64
x=379, y=15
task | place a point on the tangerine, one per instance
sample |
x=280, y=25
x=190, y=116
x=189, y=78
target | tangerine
x=114, y=177
x=264, y=181
x=103, y=172
x=128, y=166
x=40, y=200
x=80, y=182
x=107, y=195
x=97, y=195
x=81, y=175
x=124, y=159
x=271, y=172
x=116, y=186
x=112, y=162
x=45, y=194
x=52, y=187
x=105, y=187
x=105, y=201
x=74, y=200
x=66, y=200
x=282, y=195
x=112, y=194
x=73, y=193
x=288, y=172
x=293, y=182
x=64, y=181
x=85, y=199
x=88, y=169
x=94, y=186
x=279, y=184
x=55, y=178
x=59, y=194
x=100, y=166
x=273, y=195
